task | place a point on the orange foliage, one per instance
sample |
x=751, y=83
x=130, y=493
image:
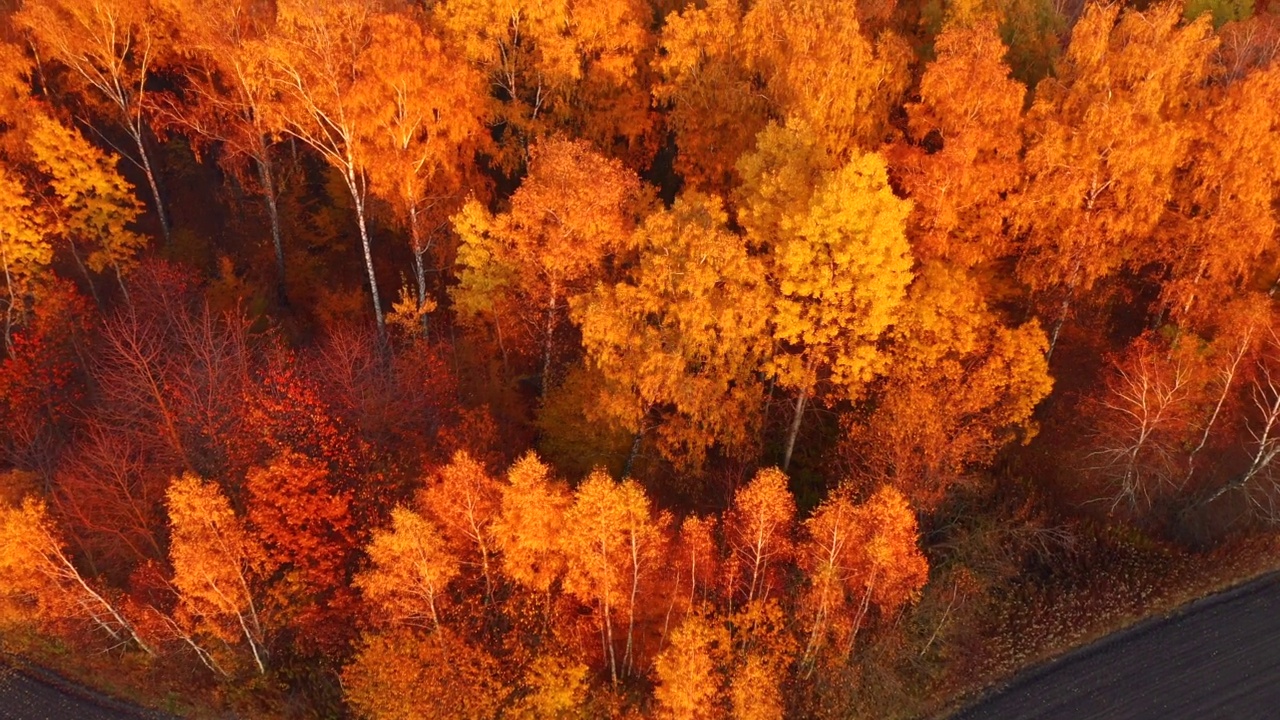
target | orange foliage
x=518, y=269
x=529, y=526
x=409, y=675
x=463, y=500
x=758, y=531
x=964, y=154
x=858, y=557
x=628, y=232
x=305, y=525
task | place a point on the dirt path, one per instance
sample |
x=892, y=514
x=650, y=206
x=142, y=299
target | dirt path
x=1217, y=658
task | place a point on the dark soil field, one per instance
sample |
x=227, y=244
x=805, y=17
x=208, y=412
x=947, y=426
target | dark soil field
x=1217, y=658
x=35, y=695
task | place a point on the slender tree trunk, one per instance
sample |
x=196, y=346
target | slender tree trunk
x=693, y=579
x=256, y=632
x=801, y=399
x=666, y=619
x=631, y=607
x=608, y=632
x=205, y=657
x=819, y=628
x=502, y=348
x=144, y=158
x=93, y=290
x=862, y=611
x=546, y=348
x=358, y=197
x=815, y=635
x=123, y=288
x=1067, y=298
x=267, y=178
x=70, y=570
x=1228, y=377
x=13, y=300
x=1268, y=446
x=1057, y=327
x=488, y=581
x=419, y=269
x=631, y=456
x=253, y=645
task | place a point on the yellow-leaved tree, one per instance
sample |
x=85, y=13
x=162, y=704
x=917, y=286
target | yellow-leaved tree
x=857, y=557
x=575, y=209
x=25, y=250
x=612, y=545
x=15, y=85
x=557, y=688
x=222, y=103
x=425, y=123
x=39, y=582
x=1107, y=136
x=93, y=206
x=680, y=341
x=321, y=96
x=823, y=66
x=758, y=532
x=572, y=67
x=726, y=70
x=1226, y=199
x=217, y=566
x=464, y=502
x=834, y=239
x=409, y=674
x=530, y=523
x=411, y=565
x=110, y=49
x=964, y=154
x=713, y=106
x=688, y=672
x=963, y=383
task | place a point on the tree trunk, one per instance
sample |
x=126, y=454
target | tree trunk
x=862, y=612
x=795, y=428
x=1228, y=377
x=608, y=630
x=631, y=456
x=502, y=348
x=546, y=348
x=8, y=311
x=631, y=608
x=267, y=179
x=1057, y=327
x=358, y=197
x=69, y=570
x=93, y=290
x=123, y=288
x=145, y=159
x=419, y=270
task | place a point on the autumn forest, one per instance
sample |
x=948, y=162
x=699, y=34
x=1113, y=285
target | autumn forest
x=694, y=359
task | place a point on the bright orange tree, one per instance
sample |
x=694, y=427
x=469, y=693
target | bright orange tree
x=566, y=66
x=681, y=339
x=834, y=239
x=1106, y=138
x=574, y=211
